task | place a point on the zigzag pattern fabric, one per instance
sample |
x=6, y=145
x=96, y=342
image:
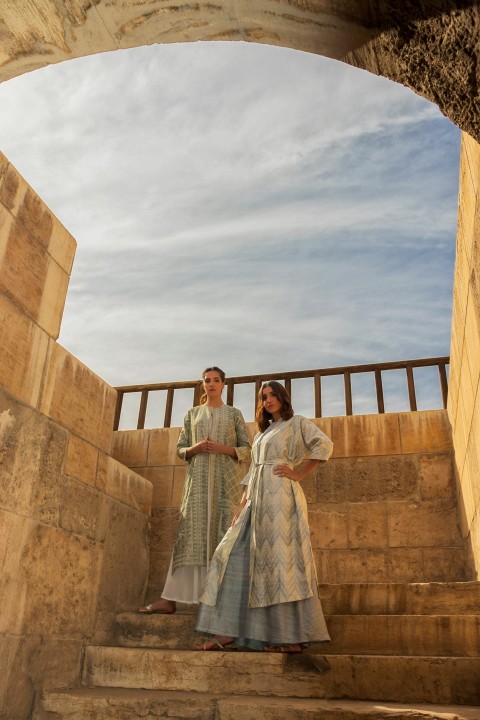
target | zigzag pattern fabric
x=281, y=558
x=212, y=485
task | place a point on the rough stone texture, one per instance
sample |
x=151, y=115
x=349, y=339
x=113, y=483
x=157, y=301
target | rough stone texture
x=354, y=634
x=78, y=399
x=81, y=461
x=382, y=677
x=464, y=398
x=23, y=352
x=32, y=450
x=120, y=482
x=362, y=504
x=30, y=664
x=401, y=598
x=36, y=252
x=98, y=704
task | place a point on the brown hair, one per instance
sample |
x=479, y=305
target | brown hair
x=263, y=417
x=203, y=398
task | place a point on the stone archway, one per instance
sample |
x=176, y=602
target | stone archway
x=430, y=47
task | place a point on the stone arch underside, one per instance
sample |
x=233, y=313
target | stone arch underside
x=431, y=47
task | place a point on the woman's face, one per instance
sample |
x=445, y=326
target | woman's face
x=213, y=384
x=271, y=403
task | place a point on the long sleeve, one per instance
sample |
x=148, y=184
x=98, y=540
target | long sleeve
x=242, y=448
x=318, y=445
x=185, y=437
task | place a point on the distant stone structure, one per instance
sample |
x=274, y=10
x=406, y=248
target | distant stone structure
x=74, y=519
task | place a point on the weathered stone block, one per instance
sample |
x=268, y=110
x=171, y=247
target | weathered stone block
x=328, y=526
x=78, y=399
x=130, y=447
x=23, y=350
x=436, y=474
x=164, y=524
x=125, y=561
x=444, y=564
x=364, y=479
x=162, y=482
x=360, y=435
x=83, y=510
x=353, y=566
x=425, y=524
x=25, y=205
x=28, y=209
x=120, y=482
x=426, y=431
x=32, y=450
x=62, y=246
x=162, y=447
x=30, y=664
x=49, y=579
x=405, y=565
x=367, y=525
x=81, y=460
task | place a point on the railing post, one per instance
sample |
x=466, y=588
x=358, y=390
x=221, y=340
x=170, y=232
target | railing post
x=348, y=393
x=411, y=388
x=230, y=391
x=168, y=408
x=318, y=395
x=379, y=388
x=288, y=386
x=142, y=413
x=443, y=383
x=196, y=395
x=118, y=409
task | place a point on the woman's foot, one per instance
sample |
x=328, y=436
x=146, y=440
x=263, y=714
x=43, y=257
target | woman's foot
x=162, y=607
x=287, y=649
x=219, y=642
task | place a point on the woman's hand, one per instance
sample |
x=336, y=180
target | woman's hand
x=286, y=471
x=296, y=475
x=217, y=449
x=200, y=447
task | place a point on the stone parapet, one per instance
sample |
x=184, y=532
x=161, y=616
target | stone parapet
x=383, y=509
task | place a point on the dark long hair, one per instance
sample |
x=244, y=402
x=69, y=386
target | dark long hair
x=263, y=417
x=203, y=399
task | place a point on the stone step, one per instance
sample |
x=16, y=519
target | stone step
x=116, y=703
x=448, y=680
x=439, y=635
x=437, y=598
x=432, y=598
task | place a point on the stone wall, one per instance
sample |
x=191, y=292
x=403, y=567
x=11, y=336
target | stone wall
x=464, y=395
x=73, y=521
x=383, y=509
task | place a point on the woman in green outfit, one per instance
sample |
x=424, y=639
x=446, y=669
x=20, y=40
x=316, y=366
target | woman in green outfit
x=213, y=441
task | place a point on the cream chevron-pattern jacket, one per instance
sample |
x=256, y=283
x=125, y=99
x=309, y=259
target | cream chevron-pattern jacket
x=281, y=557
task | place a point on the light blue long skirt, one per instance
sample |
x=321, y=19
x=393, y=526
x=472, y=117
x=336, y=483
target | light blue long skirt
x=301, y=621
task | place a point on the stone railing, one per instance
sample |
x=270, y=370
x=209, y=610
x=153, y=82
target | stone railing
x=144, y=391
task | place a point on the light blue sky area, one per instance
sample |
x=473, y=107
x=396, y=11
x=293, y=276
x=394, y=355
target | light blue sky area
x=247, y=206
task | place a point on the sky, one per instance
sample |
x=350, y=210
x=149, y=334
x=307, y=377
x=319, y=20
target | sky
x=241, y=205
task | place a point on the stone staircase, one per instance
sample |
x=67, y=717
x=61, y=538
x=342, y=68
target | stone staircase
x=405, y=624
x=399, y=650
